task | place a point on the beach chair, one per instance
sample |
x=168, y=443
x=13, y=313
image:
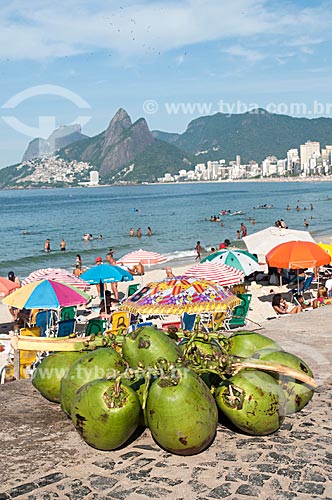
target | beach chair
x=305, y=287
x=28, y=358
x=120, y=320
x=240, y=312
x=68, y=313
x=44, y=321
x=95, y=326
x=132, y=289
x=188, y=321
x=65, y=327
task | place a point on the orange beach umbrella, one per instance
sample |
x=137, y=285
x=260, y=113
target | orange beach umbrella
x=297, y=255
x=7, y=286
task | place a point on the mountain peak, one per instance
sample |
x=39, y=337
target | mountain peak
x=120, y=123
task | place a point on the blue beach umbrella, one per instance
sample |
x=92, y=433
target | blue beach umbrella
x=240, y=259
x=105, y=273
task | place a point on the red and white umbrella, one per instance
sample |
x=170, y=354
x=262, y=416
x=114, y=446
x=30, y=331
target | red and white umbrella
x=143, y=257
x=61, y=275
x=218, y=273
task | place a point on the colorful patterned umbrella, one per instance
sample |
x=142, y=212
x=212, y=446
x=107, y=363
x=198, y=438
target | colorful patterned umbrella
x=46, y=294
x=178, y=295
x=57, y=274
x=239, y=259
x=218, y=273
x=7, y=286
x=143, y=256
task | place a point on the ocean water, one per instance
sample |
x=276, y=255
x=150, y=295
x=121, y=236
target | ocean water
x=178, y=215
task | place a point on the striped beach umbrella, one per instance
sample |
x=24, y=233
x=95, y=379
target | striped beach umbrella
x=217, y=273
x=143, y=257
x=239, y=259
x=57, y=274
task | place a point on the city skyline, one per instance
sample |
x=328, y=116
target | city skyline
x=206, y=56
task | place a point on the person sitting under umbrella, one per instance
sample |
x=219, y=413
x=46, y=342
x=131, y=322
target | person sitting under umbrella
x=137, y=270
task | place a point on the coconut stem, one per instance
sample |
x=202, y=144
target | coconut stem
x=271, y=366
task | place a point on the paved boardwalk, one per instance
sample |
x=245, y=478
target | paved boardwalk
x=43, y=457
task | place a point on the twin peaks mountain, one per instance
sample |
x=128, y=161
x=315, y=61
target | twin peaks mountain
x=130, y=149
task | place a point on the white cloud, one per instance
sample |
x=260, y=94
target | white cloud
x=249, y=54
x=41, y=29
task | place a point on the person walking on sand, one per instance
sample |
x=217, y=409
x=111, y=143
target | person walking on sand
x=198, y=250
x=47, y=246
x=62, y=245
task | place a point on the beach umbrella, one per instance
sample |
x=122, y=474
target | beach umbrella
x=143, y=257
x=327, y=247
x=218, y=273
x=105, y=273
x=57, y=274
x=297, y=255
x=46, y=294
x=178, y=295
x=7, y=286
x=262, y=242
x=239, y=259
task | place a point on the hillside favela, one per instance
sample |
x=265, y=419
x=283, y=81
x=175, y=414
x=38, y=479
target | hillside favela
x=165, y=250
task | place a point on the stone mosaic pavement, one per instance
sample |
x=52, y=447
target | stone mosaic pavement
x=43, y=458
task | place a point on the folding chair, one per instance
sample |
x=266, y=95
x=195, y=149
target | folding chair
x=65, y=327
x=188, y=321
x=68, y=313
x=44, y=322
x=95, y=326
x=132, y=289
x=305, y=287
x=28, y=358
x=120, y=320
x=240, y=312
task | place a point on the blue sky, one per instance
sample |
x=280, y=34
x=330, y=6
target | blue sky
x=145, y=56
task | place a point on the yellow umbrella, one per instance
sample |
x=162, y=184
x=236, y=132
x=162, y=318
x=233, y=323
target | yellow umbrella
x=327, y=247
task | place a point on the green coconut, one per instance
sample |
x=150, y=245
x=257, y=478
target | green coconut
x=253, y=401
x=101, y=363
x=245, y=343
x=105, y=413
x=48, y=374
x=181, y=413
x=146, y=345
x=297, y=393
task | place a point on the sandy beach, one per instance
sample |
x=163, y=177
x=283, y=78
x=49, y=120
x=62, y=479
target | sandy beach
x=260, y=308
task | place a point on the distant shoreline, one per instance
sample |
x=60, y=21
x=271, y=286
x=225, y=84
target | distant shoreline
x=224, y=181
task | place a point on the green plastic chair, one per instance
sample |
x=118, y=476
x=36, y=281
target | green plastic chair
x=132, y=289
x=240, y=312
x=95, y=326
x=68, y=313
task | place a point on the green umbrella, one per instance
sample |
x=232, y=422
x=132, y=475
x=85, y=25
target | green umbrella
x=240, y=259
